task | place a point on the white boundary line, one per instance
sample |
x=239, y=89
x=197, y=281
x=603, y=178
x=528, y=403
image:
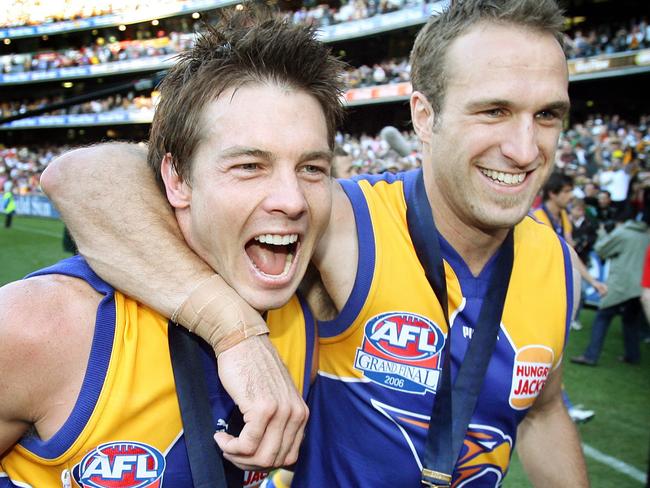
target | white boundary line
x=616, y=464
x=37, y=231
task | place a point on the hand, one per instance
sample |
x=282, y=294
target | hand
x=274, y=413
x=600, y=287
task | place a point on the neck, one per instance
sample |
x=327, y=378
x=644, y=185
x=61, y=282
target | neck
x=474, y=244
x=553, y=208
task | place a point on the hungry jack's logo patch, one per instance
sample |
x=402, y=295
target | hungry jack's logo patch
x=531, y=368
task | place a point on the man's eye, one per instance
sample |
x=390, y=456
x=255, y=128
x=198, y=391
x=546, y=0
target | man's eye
x=494, y=112
x=248, y=166
x=548, y=115
x=313, y=169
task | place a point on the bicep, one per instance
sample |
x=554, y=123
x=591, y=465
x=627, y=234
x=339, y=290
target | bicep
x=14, y=381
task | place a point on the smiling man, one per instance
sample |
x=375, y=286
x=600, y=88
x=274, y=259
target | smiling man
x=87, y=390
x=490, y=91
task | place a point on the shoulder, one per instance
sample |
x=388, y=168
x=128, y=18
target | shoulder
x=46, y=328
x=531, y=230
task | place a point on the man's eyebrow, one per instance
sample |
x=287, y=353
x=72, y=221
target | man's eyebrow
x=238, y=151
x=315, y=155
x=486, y=103
x=561, y=106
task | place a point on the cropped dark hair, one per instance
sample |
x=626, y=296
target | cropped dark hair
x=555, y=183
x=428, y=57
x=247, y=46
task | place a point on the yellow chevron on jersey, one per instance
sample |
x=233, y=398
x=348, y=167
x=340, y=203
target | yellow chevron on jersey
x=128, y=406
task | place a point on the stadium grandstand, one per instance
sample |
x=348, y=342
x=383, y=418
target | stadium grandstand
x=75, y=72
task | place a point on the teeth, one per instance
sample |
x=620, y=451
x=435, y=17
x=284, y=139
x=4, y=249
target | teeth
x=505, y=178
x=276, y=239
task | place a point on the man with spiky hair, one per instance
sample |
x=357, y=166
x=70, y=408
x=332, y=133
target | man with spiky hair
x=245, y=130
x=490, y=86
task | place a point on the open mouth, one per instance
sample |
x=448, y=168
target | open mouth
x=272, y=254
x=508, y=179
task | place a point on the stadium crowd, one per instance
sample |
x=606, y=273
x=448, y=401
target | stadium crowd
x=601, y=39
x=34, y=12
x=592, y=151
x=127, y=102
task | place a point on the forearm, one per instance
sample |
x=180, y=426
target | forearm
x=123, y=225
x=548, y=443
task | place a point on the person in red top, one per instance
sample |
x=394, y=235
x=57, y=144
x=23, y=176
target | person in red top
x=645, y=286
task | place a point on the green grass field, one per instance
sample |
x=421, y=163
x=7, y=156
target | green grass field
x=620, y=394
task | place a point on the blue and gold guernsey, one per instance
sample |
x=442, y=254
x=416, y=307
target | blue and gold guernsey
x=125, y=429
x=380, y=359
x=562, y=228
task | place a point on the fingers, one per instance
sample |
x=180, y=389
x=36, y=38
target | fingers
x=274, y=412
x=266, y=443
x=293, y=435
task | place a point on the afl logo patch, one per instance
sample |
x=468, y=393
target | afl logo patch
x=401, y=350
x=124, y=463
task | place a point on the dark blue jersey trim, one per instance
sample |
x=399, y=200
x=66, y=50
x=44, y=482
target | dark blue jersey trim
x=310, y=335
x=568, y=277
x=100, y=355
x=365, y=264
x=471, y=286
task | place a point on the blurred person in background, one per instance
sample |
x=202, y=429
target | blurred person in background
x=645, y=295
x=606, y=212
x=585, y=230
x=8, y=203
x=615, y=179
x=625, y=247
x=557, y=194
x=590, y=190
x=341, y=163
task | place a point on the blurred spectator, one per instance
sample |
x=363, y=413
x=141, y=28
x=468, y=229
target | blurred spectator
x=590, y=191
x=341, y=163
x=615, y=179
x=32, y=12
x=557, y=194
x=585, y=230
x=645, y=286
x=8, y=204
x=625, y=247
x=606, y=212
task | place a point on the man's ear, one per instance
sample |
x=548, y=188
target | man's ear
x=178, y=191
x=422, y=116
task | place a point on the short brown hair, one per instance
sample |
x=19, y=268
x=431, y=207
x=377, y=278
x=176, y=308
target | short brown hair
x=247, y=46
x=428, y=70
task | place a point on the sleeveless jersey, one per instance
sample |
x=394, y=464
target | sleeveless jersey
x=125, y=429
x=380, y=359
x=563, y=228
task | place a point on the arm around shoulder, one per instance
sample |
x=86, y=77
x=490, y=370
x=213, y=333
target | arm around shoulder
x=123, y=224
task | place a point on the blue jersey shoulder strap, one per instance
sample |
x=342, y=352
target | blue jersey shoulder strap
x=76, y=267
